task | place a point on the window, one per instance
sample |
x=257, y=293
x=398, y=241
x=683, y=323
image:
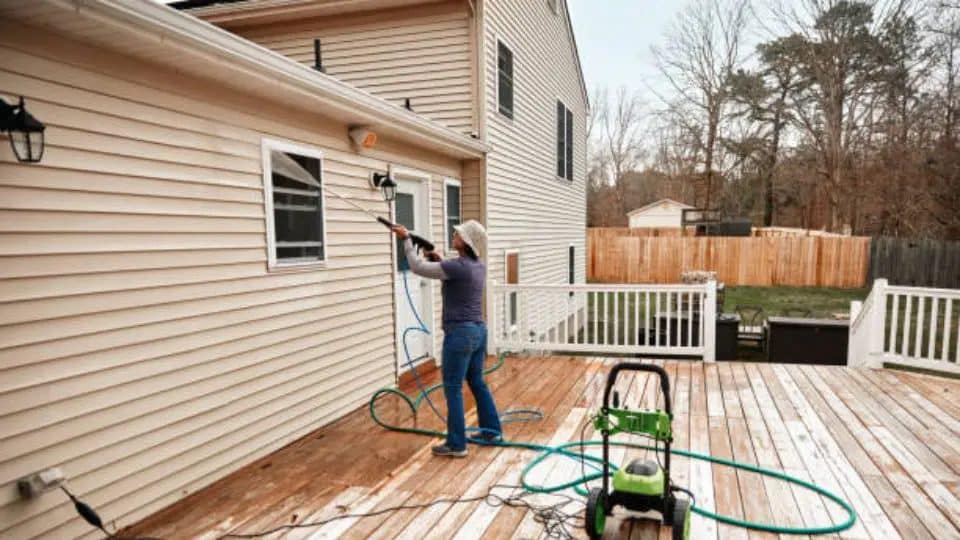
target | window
x=564, y=142
x=504, y=80
x=513, y=278
x=451, y=209
x=293, y=197
x=404, y=215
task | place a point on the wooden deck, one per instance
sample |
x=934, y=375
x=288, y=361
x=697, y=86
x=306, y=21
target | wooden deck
x=888, y=441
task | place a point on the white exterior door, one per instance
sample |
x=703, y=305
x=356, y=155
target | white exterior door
x=411, y=207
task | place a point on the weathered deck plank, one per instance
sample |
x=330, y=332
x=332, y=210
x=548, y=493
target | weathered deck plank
x=888, y=441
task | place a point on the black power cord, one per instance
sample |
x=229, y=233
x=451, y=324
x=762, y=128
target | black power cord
x=86, y=512
x=556, y=521
x=90, y=516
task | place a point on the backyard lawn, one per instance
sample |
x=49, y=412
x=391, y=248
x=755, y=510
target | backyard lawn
x=822, y=303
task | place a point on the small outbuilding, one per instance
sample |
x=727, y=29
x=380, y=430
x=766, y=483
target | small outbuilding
x=660, y=214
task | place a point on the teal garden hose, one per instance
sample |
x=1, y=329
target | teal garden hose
x=581, y=456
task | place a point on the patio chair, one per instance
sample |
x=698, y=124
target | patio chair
x=752, y=321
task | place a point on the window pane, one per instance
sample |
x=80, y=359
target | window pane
x=505, y=79
x=405, y=217
x=453, y=211
x=297, y=208
x=569, y=143
x=561, y=134
x=453, y=200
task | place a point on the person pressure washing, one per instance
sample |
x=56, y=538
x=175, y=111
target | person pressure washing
x=465, y=333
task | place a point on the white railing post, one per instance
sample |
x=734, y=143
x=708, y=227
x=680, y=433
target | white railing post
x=854, y=350
x=877, y=323
x=709, y=321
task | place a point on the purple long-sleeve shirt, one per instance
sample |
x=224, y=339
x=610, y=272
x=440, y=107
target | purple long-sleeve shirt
x=462, y=289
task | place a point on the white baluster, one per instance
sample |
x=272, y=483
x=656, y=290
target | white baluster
x=907, y=316
x=894, y=317
x=646, y=318
x=918, y=341
x=945, y=350
x=931, y=354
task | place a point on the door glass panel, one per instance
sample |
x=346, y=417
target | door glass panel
x=405, y=216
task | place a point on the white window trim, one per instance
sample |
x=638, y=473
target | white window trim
x=450, y=182
x=506, y=273
x=496, y=66
x=266, y=145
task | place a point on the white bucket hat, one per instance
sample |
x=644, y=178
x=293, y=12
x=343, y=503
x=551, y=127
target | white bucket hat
x=474, y=235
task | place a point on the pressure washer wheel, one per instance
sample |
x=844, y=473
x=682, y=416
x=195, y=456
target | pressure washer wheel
x=681, y=520
x=596, y=518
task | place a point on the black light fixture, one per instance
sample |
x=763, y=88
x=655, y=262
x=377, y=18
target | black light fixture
x=25, y=131
x=386, y=184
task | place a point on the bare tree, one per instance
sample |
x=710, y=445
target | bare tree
x=703, y=49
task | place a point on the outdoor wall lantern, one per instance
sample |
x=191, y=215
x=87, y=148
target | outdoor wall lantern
x=384, y=183
x=25, y=131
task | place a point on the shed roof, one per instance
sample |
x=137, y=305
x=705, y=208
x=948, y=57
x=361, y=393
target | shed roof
x=657, y=203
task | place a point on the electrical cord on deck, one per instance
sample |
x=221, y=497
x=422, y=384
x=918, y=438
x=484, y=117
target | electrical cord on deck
x=556, y=520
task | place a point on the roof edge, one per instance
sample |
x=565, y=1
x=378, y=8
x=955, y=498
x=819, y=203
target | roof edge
x=654, y=203
x=204, y=37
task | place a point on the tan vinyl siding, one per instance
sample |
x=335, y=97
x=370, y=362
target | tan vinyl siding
x=528, y=208
x=421, y=53
x=144, y=347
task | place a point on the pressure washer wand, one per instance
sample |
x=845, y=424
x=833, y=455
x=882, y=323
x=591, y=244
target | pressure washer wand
x=418, y=241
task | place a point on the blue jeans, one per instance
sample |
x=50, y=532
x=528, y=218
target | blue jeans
x=464, y=350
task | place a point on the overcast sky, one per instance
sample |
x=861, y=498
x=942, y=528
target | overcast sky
x=614, y=38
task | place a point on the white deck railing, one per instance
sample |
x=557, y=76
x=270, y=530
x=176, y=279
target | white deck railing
x=911, y=326
x=599, y=319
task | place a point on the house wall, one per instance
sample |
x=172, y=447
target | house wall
x=528, y=208
x=422, y=53
x=144, y=346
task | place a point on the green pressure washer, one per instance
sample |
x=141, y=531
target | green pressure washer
x=643, y=485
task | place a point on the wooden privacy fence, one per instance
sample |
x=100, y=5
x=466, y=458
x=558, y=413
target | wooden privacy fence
x=925, y=263
x=815, y=261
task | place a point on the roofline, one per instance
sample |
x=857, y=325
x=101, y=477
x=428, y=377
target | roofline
x=654, y=203
x=204, y=37
x=576, y=55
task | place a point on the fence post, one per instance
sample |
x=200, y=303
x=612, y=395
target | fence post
x=709, y=323
x=492, y=316
x=878, y=323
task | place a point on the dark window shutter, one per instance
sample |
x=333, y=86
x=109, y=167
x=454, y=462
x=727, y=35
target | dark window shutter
x=571, y=265
x=561, y=135
x=569, y=145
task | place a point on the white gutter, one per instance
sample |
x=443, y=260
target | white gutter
x=197, y=35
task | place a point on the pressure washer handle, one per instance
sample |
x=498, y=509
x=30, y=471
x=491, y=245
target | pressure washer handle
x=418, y=241
x=633, y=366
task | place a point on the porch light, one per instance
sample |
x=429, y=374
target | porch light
x=25, y=131
x=386, y=184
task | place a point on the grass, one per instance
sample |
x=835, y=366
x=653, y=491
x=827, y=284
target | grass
x=822, y=303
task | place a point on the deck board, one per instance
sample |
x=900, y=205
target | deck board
x=888, y=441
